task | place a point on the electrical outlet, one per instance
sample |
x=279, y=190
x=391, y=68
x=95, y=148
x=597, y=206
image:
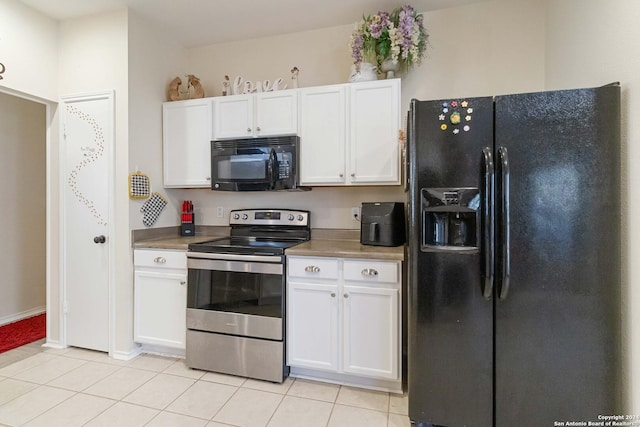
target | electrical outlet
x=355, y=214
x=220, y=212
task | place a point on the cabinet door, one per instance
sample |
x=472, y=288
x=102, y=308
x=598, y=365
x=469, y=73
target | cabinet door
x=233, y=117
x=276, y=113
x=323, y=134
x=370, y=331
x=374, y=127
x=312, y=326
x=186, y=142
x=160, y=306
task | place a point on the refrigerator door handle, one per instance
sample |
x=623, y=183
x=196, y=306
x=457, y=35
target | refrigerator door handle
x=505, y=222
x=488, y=222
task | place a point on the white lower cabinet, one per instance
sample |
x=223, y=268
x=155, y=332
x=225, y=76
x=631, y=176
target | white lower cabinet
x=370, y=331
x=313, y=325
x=343, y=319
x=160, y=298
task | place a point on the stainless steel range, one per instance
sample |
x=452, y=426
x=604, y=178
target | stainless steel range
x=236, y=294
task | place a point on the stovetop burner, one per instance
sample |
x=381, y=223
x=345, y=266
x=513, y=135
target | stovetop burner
x=243, y=245
x=260, y=231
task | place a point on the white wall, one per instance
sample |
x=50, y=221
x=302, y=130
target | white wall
x=591, y=43
x=154, y=60
x=93, y=55
x=484, y=49
x=28, y=50
x=22, y=237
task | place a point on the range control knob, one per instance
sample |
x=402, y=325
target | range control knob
x=290, y=217
x=245, y=216
x=236, y=216
x=300, y=217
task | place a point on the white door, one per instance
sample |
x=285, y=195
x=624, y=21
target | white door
x=312, y=326
x=86, y=157
x=159, y=309
x=370, y=334
x=323, y=133
x=276, y=113
x=374, y=126
x=187, y=129
x=233, y=117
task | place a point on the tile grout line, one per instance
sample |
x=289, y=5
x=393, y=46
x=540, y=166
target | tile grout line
x=155, y=373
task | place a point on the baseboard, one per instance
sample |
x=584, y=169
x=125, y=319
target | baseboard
x=391, y=386
x=53, y=344
x=162, y=351
x=22, y=315
x=122, y=355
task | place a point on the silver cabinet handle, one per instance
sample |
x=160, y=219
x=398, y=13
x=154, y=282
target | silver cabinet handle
x=208, y=178
x=258, y=128
x=346, y=295
x=249, y=130
x=353, y=175
x=312, y=269
x=333, y=294
x=341, y=175
x=183, y=282
x=369, y=272
x=159, y=260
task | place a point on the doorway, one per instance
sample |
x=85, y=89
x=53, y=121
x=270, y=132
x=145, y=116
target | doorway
x=23, y=196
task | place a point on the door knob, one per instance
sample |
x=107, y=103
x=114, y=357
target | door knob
x=99, y=239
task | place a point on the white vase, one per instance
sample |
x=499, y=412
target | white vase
x=389, y=67
x=363, y=72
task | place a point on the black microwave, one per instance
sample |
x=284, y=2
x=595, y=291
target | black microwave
x=255, y=164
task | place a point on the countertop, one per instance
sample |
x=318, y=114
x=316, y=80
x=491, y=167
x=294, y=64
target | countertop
x=175, y=243
x=323, y=243
x=346, y=249
x=170, y=238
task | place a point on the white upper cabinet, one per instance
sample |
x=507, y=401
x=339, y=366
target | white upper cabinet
x=349, y=134
x=374, y=113
x=254, y=115
x=276, y=113
x=323, y=133
x=186, y=142
x=233, y=116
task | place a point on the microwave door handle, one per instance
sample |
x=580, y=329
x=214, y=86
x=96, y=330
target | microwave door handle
x=273, y=168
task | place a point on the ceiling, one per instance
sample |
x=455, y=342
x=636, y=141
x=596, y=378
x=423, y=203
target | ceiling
x=195, y=23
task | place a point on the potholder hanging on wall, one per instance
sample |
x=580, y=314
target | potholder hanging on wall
x=139, y=186
x=152, y=208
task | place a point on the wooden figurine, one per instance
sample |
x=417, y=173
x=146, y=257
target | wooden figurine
x=226, y=86
x=198, y=90
x=174, y=89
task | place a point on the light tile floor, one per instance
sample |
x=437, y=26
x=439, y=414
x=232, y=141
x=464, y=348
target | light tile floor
x=75, y=387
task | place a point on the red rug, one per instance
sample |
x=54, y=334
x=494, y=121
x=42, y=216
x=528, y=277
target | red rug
x=23, y=332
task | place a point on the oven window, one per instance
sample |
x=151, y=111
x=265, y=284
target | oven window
x=236, y=292
x=243, y=166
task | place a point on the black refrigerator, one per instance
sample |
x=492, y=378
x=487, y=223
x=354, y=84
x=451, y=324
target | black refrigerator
x=514, y=259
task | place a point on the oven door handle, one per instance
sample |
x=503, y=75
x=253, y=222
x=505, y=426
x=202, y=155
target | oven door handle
x=234, y=266
x=273, y=259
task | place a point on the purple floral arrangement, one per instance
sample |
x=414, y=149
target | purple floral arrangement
x=399, y=36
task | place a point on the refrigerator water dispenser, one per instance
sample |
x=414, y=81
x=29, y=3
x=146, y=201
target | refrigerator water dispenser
x=450, y=219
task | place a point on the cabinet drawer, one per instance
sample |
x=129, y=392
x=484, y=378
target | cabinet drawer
x=372, y=271
x=313, y=268
x=160, y=259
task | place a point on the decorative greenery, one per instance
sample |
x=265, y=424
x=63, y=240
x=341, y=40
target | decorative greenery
x=399, y=36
